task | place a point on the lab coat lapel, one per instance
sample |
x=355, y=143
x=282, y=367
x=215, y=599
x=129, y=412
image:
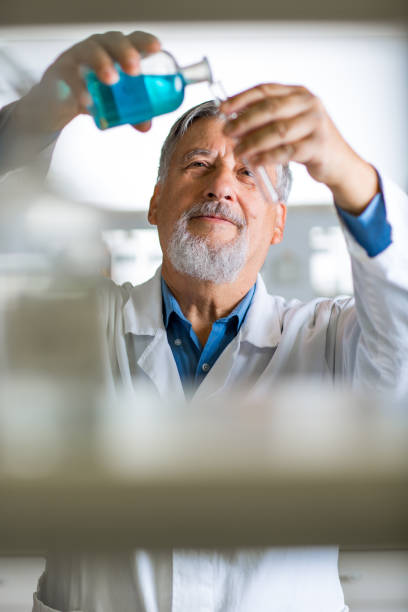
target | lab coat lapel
x=260, y=330
x=221, y=372
x=158, y=363
x=143, y=317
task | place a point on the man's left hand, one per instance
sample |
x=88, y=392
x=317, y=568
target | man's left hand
x=281, y=123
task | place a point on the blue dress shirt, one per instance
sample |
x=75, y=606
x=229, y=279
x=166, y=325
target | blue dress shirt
x=193, y=360
x=371, y=229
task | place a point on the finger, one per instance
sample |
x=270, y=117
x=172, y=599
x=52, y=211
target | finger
x=303, y=151
x=143, y=127
x=237, y=103
x=121, y=50
x=144, y=42
x=91, y=54
x=267, y=110
x=277, y=133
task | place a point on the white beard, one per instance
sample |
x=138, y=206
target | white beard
x=194, y=256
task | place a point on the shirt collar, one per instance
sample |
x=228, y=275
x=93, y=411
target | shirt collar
x=143, y=313
x=171, y=305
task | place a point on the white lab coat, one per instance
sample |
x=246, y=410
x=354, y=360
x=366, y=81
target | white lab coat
x=362, y=340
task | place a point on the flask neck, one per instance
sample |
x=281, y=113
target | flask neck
x=197, y=73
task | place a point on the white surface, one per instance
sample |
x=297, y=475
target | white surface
x=18, y=581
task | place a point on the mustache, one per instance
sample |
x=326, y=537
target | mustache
x=214, y=209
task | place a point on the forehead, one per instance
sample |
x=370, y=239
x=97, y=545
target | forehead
x=206, y=134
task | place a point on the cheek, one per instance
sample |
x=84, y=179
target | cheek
x=259, y=212
x=175, y=200
x=165, y=227
x=261, y=228
x=165, y=222
x=255, y=206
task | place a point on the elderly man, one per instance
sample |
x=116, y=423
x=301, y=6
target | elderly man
x=205, y=322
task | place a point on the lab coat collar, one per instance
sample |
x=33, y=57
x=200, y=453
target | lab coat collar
x=261, y=328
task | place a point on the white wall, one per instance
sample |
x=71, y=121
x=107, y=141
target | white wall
x=359, y=71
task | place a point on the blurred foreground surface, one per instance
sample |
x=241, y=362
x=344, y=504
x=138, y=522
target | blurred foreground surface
x=306, y=467
x=86, y=465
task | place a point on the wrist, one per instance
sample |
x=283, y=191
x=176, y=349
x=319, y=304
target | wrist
x=28, y=131
x=356, y=188
x=39, y=112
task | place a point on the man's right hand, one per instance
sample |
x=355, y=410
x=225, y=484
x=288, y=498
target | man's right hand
x=46, y=109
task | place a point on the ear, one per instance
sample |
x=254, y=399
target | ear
x=152, y=214
x=280, y=221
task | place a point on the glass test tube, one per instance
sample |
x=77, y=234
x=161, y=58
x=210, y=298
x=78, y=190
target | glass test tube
x=262, y=178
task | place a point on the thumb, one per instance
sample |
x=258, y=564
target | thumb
x=143, y=127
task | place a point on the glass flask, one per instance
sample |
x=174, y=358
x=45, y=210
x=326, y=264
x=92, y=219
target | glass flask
x=261, y=175
x=159, y=89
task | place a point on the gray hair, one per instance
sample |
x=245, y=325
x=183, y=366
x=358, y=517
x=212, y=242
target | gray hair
x=204, y=111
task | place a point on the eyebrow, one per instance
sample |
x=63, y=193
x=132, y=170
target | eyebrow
x=195, y=152
x=207, y=152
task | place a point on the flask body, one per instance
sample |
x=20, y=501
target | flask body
x=134, y=99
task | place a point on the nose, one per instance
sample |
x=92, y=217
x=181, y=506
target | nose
x=220, y=186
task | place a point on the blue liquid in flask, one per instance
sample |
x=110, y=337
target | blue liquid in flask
x=133, y=99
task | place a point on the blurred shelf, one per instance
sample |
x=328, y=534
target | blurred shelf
x=305, y=467
x=36, y=515
x=48, y=11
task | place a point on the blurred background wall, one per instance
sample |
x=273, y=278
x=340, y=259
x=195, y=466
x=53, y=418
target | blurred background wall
x=357, y=68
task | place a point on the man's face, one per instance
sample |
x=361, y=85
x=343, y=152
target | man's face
x=204, y=171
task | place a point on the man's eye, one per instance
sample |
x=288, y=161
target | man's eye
x=197, y=164
x=247, y=172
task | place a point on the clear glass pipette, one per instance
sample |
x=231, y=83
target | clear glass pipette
x=262, y=178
